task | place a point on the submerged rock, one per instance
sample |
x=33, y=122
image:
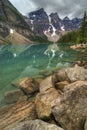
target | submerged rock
x=13, y=96
x=70, y=109
x=21, y=111
x=35, y=125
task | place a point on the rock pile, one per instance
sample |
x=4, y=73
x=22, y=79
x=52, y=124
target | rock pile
x=58, y=102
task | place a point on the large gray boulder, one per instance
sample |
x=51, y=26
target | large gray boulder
x=70, y=109
x=76, y=73
x=72, y=74
x=13, y=96
x=35, y=125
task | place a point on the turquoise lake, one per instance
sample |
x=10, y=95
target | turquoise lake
x=18, y=61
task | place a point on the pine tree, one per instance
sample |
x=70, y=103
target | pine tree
x=83, y=29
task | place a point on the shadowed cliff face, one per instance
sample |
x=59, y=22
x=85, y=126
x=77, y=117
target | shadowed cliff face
x=11, y=18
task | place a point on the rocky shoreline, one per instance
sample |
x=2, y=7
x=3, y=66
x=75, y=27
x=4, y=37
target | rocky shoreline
x=80, y=46
x=58, y=102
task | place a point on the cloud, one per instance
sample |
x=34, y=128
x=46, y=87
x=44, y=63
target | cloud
x=71, y=8
x=24, y=6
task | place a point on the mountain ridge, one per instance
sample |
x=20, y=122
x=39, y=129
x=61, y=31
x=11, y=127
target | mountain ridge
x=44, y=24
x=38, y=26
x=12, y=19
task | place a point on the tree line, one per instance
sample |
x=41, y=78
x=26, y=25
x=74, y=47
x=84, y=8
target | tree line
x=78, y=36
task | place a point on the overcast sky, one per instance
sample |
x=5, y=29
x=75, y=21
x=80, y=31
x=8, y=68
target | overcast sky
x=71, y=8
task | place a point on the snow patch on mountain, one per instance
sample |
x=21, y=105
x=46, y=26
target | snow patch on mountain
x=11, y=31
x=32, y=21
x=62, y=28
x=34, y=15
x=53, y=28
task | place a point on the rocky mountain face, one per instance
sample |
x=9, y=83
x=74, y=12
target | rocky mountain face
x=36, y=26
x=41, y=23
x=39, y=20
x=11, y=20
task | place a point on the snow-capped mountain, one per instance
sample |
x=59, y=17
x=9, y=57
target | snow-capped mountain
x=52, y=24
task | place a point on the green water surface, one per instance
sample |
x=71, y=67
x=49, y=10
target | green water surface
x=18, y=61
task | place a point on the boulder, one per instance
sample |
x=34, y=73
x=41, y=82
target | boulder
x=61, y=75
x=45, y=73
x=70, y=109
x=20, y=111
x=43, y=103
x=85, y=128
x=60, y=85
x=13, y=96
x=78, y=46
x=43, y=100
x=39, y=80
x=47, y=83
x=81, y=63
x=72, y=74
x=76, y=73
x=35, y=125
x=29, y=86
x=85, y=67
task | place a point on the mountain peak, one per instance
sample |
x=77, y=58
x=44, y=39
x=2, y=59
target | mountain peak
x=41, y=9
x=40, y=22
x=66, y=18
x=54, y=15
x=37, y=12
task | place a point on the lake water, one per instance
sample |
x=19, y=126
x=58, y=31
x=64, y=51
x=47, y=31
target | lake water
x=18, y=61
